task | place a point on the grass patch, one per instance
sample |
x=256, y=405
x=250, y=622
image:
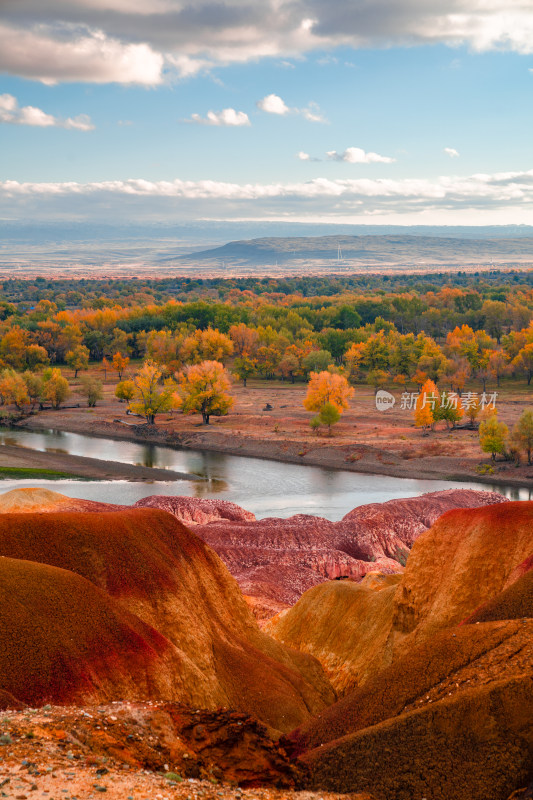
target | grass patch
x=35, y=472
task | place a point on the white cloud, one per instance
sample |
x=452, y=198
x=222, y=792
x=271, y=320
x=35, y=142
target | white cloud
x=302, y=156
x=228, y=117
x=80, y=55
x=364, y=195
x=11, y=113
x=452, y=152
x=356, y=155
x=273, y=104
x=130, y=41
x=312, y=113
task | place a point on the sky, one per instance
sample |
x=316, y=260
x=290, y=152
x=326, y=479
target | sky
x=349, y=111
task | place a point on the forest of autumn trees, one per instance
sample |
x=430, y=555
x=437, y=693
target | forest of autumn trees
x=477, y=332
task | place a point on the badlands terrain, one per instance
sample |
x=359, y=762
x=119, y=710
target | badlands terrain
x=180, y=648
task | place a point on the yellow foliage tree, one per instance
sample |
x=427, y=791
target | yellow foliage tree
x=210, y=345
x=151, y=397
x=327, y=387
x=78, y=358
x=204, y=388
x=353, y=358
x=55, y=387
x=13, y=389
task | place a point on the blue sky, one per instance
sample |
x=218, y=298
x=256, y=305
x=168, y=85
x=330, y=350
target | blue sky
x=393, y=111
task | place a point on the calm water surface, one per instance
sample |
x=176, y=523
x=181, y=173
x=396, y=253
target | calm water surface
x=268, y=488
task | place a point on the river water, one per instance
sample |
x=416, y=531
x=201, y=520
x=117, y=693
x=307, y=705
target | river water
x=268, y=488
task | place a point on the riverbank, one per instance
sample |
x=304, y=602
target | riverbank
x=65, y=465
x=365, y=441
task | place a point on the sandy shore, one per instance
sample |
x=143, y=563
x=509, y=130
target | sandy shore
x=82, y=467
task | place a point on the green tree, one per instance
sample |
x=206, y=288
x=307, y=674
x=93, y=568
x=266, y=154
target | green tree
x=523, y=434
x=493, y=435
x=329, y=415
x=244, y=367
x=449, y=410
x=317, y=360
x=92, y=389
x=314, y=423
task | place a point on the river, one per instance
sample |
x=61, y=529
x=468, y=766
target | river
x=268, y=488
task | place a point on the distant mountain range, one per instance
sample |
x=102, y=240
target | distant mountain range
x=82, y=249
x=404, y=250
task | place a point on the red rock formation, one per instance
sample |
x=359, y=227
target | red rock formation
x=370, y=538
x=515, y=602
x=463, y=562
x=197, y=510
x=158, y=570
x=382, y=530
x=65, y=640
x=452, y=719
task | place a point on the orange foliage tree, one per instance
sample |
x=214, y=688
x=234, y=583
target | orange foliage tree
x=327, y=387
x=120, y=363
x=427, y=404
x=245, y=340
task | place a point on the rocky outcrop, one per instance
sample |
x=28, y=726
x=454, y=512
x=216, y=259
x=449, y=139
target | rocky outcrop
x=146, y=750
x=197, y=510
x=371, y=538
x=154, y=568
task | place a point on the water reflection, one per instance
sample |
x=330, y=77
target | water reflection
x=268, y=488
x=209, y=487
x=514, y=492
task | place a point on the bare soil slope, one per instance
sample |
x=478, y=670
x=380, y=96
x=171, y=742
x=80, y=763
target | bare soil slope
x=158, y=570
